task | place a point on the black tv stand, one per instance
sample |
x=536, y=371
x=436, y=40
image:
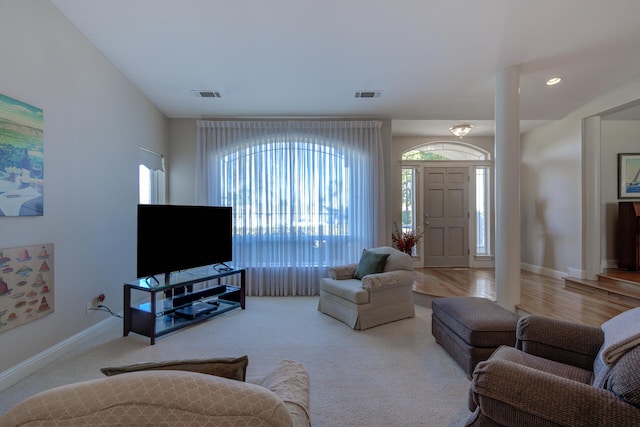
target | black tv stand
x=179, y=300
x=224, y=267
x=197, y=309
x=147, y=279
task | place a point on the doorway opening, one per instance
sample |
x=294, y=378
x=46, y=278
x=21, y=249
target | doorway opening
x=446, y=192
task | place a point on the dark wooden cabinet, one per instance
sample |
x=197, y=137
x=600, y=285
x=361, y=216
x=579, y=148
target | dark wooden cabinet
x=628, y=240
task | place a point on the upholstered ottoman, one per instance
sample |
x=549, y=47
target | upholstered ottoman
x=471, y=328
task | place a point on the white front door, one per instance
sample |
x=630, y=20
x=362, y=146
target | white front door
x=446, y=217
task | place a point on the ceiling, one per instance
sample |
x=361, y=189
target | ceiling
x=433, y=61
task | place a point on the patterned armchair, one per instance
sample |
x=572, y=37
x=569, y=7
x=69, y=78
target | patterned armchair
x=562, y=374
x=171, y=398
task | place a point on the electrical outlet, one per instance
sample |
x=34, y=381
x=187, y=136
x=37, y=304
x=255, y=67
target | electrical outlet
x=93, y=305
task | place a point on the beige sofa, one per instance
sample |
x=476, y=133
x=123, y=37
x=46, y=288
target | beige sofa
x=171, y=398
x=376, y=299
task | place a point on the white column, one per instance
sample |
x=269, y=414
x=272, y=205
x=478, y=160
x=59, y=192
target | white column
x=507, y=153
x=592, y=210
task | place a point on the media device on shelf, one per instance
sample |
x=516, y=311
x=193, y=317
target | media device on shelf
x=179, y=237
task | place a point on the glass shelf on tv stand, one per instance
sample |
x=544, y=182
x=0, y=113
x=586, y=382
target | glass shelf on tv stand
x=168, y=300
x=161, y=282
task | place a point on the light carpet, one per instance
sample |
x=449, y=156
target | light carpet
x=391, y=375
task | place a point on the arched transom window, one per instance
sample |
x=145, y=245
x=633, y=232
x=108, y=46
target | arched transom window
x=446, y=151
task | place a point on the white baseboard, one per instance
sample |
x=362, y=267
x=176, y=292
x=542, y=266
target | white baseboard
x=483, y=263
x=544, y=271
x=578, y=274
x=23, y=369
x=609, y=263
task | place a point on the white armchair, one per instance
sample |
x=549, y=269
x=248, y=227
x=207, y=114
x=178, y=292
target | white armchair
x=374, y=299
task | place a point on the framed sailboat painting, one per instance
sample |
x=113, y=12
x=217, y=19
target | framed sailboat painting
x=629, y=176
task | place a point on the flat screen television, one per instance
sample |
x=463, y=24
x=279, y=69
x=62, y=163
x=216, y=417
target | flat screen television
x=176, y=237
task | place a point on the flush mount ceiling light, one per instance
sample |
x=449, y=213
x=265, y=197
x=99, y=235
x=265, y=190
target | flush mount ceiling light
x=554, y=81
x=461, y=130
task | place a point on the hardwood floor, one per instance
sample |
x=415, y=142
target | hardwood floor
x=539, y=294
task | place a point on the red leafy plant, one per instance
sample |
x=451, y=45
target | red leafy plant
x=405, y=240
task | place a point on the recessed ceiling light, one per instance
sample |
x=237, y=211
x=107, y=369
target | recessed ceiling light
x=554, y=81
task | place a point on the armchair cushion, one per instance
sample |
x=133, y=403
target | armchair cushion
x=349, y=290
x=228, y=367
x=290, y=381
x=370, y=263
x=376, y=281
x=397, y=260
x=513, y=355
x=512, y=394
x=559, y=340
x=342, y=272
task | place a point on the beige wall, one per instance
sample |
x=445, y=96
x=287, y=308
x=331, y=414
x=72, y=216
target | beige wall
x=182, y=156
x=553, y=190
x=551, y=196
x=617, y=137
x=94, y=121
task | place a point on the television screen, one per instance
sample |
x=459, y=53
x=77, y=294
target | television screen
x=174, y=237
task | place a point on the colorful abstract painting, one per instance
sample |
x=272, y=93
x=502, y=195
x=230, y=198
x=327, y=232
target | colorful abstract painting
x=21, y=159
x=26, y=284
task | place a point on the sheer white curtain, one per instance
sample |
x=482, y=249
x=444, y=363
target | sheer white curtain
x=305, y=195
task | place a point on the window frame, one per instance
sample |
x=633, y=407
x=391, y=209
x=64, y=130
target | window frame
x=488, y=211
x=151, y=175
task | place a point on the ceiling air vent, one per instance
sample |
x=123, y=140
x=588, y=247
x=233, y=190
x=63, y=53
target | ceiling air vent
x=368, y=94
x=206, y=93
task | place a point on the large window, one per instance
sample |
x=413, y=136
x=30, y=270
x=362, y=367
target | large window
x=306, y=195
x=294, y=197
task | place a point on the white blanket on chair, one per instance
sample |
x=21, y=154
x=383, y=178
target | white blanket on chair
x=621, y=334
